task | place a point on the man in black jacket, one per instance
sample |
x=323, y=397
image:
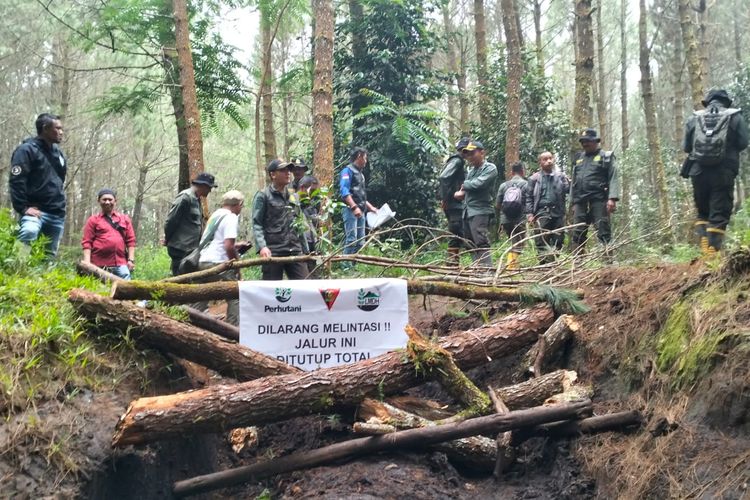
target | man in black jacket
x=545, y=207
x=37, y=176
x=714, y=138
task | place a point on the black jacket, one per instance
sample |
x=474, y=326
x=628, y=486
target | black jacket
x=37, y=177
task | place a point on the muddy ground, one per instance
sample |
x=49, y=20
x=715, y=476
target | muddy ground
x=694, y=442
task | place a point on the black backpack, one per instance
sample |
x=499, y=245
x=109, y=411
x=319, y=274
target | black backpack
x=711, y=134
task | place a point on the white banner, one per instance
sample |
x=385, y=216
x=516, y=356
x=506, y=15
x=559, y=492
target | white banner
x=320, y=323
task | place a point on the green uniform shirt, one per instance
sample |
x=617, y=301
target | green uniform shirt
x=479, y=187
x=184, y=223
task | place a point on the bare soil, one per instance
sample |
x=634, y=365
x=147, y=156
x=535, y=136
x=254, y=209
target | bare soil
x=694, y=442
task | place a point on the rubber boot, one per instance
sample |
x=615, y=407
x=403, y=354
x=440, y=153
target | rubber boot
x=512, y=261
x=715, y=241
x=700, y=231
x=453, y=257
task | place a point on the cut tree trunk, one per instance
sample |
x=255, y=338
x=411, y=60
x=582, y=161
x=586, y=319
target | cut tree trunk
x=180, y=339
x=274, y=399
x=363, y=446
x=213, y=325
x=550, y=345
x=223, y=290
x=89, y=269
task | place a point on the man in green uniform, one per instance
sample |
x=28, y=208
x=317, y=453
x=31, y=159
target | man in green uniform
x=477, y=194
x=276, y=220
x=511, y=203
x=451, y=178
x=594, y=190
x=545, y=206
x=714, y=138
x=184, y=224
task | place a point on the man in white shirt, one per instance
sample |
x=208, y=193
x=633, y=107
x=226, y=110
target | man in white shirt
x=219, y=242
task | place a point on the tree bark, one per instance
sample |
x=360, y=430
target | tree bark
x=266, y=89
x=538, y=36
x=411, y=438
x=213, y=325
x=224, y=290
x=183, y=340
x=273, y=399
x=602, y=99
x=582, y=112
x=480, y=36
x=624, y=131
x=553, y=341
x=649, y=109
x=187, y=84
x=452, y=60
x=515, y=73
x=322, y=92
x=692, y=52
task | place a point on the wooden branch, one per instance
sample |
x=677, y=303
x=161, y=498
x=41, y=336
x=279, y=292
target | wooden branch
x=434, y=362
x=550, y=346
x=590, y=425
x=224, y=290
x=364, y=446
x=89, y=269
x=505, y=454
x=273, y=399
x=169, y=335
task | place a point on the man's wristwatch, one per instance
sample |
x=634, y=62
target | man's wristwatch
x=131, y=261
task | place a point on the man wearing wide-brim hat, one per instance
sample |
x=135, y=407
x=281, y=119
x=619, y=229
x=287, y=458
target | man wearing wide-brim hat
x=184, y=224
x=713, y=139
x=594, y=190
x=299, y=170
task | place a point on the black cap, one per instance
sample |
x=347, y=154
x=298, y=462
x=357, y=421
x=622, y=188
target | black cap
x=589, y=135
x=104, y=191
x=717, y=94
x=472, y=146
x=299, y=162
x=206, y=179
x=462, y=143
x=278, y=164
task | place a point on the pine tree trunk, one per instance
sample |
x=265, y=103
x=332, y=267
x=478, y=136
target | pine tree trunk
x=692, y=52
x=601, y=98
x=266, y=90
x=515, y=73
x=273, y=399
x=649, y=109
x=539, y=48
x=187, y=88
x=480, y=37
x=323, y=92
x=624, y=131
x=582, y=112
x=450, y=54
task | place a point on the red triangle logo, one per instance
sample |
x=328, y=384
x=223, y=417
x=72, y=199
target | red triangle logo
x=329, y=296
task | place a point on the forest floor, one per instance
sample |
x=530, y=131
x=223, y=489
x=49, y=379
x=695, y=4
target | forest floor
x=672, y=341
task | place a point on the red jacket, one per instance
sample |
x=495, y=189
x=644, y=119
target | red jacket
x=106, y=243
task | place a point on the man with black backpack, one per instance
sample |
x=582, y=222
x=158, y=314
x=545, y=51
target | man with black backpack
x=594, y=190
x=451, y=178
x=511, y=202
x=713, y=140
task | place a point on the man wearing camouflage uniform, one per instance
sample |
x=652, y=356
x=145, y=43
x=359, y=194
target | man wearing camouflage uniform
x=594, y=190
x=451, y=178
x=714, y=138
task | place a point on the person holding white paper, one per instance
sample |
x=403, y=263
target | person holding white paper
x=354, y=195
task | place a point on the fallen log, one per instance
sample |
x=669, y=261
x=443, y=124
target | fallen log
x=550, y=346
x=405, y=439
x=590, y=425
x=180, y=339
x=178, y=293
x=208, y=322
x=505, y=453
x=89, y=269
x=272, y=399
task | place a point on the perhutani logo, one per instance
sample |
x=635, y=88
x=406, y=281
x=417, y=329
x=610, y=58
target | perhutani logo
x=368, y=300
x=283, y=294
x=329, y=296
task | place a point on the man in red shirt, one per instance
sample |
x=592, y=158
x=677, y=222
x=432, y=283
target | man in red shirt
x=108, y=238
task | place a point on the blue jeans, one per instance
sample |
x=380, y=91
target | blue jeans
x=354, y=232
x=49, y=225
x=121, y=271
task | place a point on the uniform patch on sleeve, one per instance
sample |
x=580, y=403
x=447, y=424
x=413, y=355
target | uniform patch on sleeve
x=16, y=170
x=345, y=175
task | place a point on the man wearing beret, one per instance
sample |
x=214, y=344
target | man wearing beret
x=108, y=238
x=594, y=190
x=713, y=139
x=278, y=224
x=184, y=224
